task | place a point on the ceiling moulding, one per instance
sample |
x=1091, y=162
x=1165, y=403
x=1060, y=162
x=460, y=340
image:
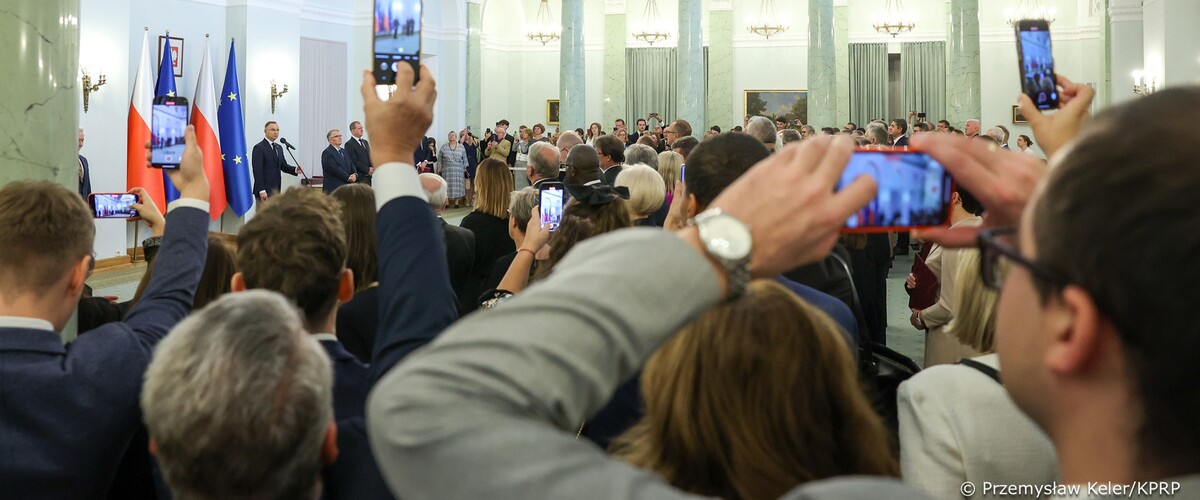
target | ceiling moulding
x=720, y=5
x=1120, y=14
x=326, y=15
x=288, y=5
x=614, y=6
x=444, y=34
x=529, y=45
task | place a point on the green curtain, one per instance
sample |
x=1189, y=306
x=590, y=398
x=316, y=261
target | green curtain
x=650, y=79
x=923, y=78
x=868, y=82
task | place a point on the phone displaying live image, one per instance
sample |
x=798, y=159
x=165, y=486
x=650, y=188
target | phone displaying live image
x=913, y=191
x=551, y=205
x=397, y=39
x=168, y=122
x=113, y=205
x=1037, y=63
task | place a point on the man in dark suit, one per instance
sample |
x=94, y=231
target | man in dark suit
x=896, y=132
x=460, y=242
x=85, y=175
x=359, y=151
x=267, y=162
x=335, y=162
x=612, y=155
x=71, y=411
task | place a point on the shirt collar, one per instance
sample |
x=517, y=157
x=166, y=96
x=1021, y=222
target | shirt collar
x=321, y=337
x=589, y=183
x=24, y=322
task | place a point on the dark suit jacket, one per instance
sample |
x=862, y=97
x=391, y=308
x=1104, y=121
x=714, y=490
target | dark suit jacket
x=610, y=175
x=85, y=184
x=416, y=303
x=491, y=242
x=69, y=412
x=266, y=166
x=460, y=256
x=360, y=159
x=357, y=321
x=350, y=384
x=902, y=141
x=336, y=167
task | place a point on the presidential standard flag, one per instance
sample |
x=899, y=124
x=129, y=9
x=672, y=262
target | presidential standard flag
x=233, y=141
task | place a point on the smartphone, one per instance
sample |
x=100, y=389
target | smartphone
x=683, y=173
x=550, y=204
x=913, y=191
x=397, y=39
x=113, y=205
x=1038, y=80
x=168, y=123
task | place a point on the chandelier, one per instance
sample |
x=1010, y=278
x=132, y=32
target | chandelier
x=1030, y=9
x=544, y=30
x=768, y=22
x=894, y=19
x=652, y=29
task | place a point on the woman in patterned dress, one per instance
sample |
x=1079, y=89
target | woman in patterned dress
x=452, y=166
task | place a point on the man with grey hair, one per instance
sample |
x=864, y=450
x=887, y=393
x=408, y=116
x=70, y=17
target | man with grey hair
x=997, y=134
x=566, y=141
x=641, y=153
x=1004, y=141
x=788, y=136
x=808, y=132
x=877, y=133
x=971, y=129
x=239, y=402
x=460, y=242
x=543, y=163
x=761, y=128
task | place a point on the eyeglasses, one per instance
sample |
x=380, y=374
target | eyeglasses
x=999, y=242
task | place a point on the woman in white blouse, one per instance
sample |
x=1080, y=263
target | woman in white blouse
x=1025, y=144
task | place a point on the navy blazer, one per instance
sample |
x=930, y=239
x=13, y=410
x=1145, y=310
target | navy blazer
x=67, y=413
x=416, y=303
x=360, y=158
x=266, y=167
x=336, y=167
x=350, y=382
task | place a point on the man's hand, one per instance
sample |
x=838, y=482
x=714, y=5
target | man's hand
x=149, y=212
x=1055, y=130
x=789, y=204
x=189, y=178
x=1003, y=181
x=911, y=281
x=299, y=170
x=353, y=177
x=399, y=124
x=536, y=236
x=262, y=195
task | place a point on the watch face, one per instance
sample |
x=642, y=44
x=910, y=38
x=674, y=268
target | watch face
x=727, y=238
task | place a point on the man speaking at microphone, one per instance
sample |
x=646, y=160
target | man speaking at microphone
x=268, y=162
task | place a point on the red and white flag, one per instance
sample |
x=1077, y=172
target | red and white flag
x=138, y=172
x=204, y=118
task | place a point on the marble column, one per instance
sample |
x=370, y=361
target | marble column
x=719, y=110
x=474, y=64
x=841, y=41
x=822, y=65
x=572, y=78
x=615, y=32
x=689, y=91
x=962, y=63
x=42, y=98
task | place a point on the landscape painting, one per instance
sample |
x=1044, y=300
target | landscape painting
x=792, y=104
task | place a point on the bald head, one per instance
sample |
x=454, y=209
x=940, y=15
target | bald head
x=583, y=164
x=567, y=141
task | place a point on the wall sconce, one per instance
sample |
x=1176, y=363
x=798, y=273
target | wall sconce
x=1144, y=84
x=89, y=87
x=276, y=94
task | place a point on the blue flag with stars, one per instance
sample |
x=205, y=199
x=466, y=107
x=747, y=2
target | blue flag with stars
x=165, y=86
x=233, y=142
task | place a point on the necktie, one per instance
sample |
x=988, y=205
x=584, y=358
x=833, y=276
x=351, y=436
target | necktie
x=279, y=152
x=342, y=151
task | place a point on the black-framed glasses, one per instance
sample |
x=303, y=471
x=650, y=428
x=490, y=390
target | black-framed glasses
x=996, y=242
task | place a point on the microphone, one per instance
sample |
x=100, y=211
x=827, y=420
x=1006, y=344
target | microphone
x=286, y=143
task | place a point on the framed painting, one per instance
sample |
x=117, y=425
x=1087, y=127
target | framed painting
x=1017, y=117
x=773, y=104
x=552, y=111
x=176, y=54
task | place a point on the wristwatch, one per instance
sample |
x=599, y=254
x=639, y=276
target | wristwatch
x=728, y=241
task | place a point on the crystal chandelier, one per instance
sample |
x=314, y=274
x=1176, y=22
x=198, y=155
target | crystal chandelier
x=544, y=30
x=1030, y=9
x=768, y=23
x=894, y=19
x=652, y=29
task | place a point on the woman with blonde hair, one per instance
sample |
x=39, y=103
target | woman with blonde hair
x=489, y=221
x=754, y=398
x=646, y=192
x=670, y=167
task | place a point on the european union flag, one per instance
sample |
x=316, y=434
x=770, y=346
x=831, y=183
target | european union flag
x=233, y=141
x=165, y=86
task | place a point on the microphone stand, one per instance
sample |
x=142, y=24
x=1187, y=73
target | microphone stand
x=305, y=181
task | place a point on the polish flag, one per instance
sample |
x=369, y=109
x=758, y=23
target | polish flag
x=138, y=171
x=204, y=118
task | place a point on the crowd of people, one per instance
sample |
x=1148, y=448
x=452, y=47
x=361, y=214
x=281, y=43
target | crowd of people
x=359, y=346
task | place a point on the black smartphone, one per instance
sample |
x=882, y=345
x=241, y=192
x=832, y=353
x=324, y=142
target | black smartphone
x=1036, y=58
x=168, y=123
x=550, y=204
x=113, y=205
x=913, y=191
x=397, y=39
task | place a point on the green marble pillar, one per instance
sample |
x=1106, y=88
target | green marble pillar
x=841, y=42
x=474, y=64
x=689, y=94
x=822, y=65
x=962, y=63
x=40, y=104
x=572, y=79
x=720, y=68
x=614, y=65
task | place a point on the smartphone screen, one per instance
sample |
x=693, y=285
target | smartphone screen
x=913, y=191
x=551, y=205
x=168, y=122
x=114, y=205
x=397, y=38
x=1037, y=63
